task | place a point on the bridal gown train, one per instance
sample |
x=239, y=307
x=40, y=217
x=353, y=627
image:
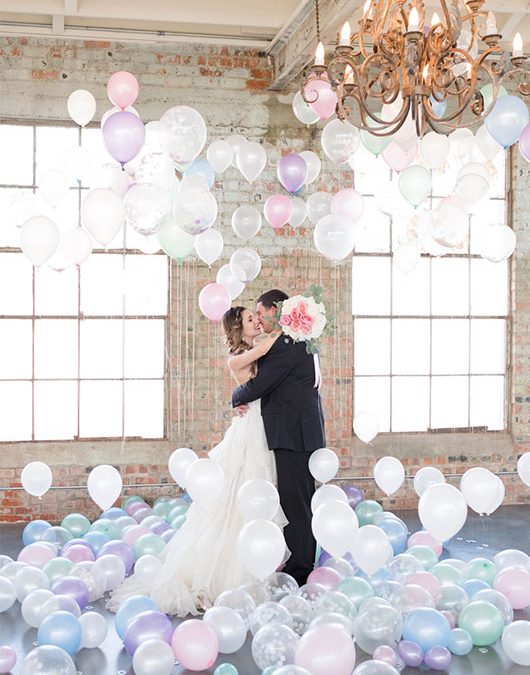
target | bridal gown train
x=200, y=561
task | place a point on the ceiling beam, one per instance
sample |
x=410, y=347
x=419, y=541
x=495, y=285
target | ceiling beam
x=70, y=7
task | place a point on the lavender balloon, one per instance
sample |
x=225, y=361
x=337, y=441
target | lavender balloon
x=355, y=495
x=73, y=587
x=292, y=172
x=124, y=136
x=122, y=550
x=437, y=658
x=147, y=625
x=410, y=652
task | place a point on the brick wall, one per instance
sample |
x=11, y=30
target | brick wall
x=228, y=87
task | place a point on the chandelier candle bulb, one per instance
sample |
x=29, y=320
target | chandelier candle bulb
x=345, y=35
x=319, y=55
x=367, y=9
x=517, y=46
x=491, y=24
x=414, y=20
x=435, y=19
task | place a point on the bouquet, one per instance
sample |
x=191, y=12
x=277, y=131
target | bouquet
x=303, y=318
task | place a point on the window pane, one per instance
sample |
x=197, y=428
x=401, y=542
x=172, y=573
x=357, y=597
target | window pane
x=100, y=409
x=16, y=206
x=450, y=346
x=15, y=404
x=411, y=292
x=144, y=348
x=489, y=288
x=450, y=286
x=55, y=410
x=410, y=346
x=56, y=292
x=55, y=348
x=146, y=284
x=372, y=229
x=15, y=350
x=16, y=284
x=102, y=285
x=492, y=213
x=16, y=142
x=372, y=346
x=144, y=409
x=449, y=402
x=92, y=140
x=371, y=285
x=487, y=402
x=52, y=143
x=372, y=394
x=101, y=348
x=488, y=346
x=410, y=403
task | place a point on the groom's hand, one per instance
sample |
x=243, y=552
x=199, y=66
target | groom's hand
x=241, y=410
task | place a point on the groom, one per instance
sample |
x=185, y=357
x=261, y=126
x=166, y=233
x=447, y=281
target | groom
x=294, y=425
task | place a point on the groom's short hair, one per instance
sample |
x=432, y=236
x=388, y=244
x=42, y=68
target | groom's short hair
x=272, y=298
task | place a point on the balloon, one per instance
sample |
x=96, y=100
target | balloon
x=373, y=143
x=426, y=477
x=516, y=642
x=48, y=660
x=133, y=606
x=313, y=164
x=397, y=158
x=372, y=549
x=302, y=111
x=362, y=161
x=472, y=183
x=250, y=160
x=229, y=281
x=124, y=136
x=366, y=426
x=442, y=510
x=122, y=89
x=39, y=239
x=269, y=612
x=200, y=167
x=102, y=214
x=74, y=588
x=179, y=461
x=326, y=649
x=318, y=206
x=292, y=172
x=325, y=576
x=157, y=168
x=246, y=221
x=195, y=645
x=496, y=243
x=434, y=149
x=53, y=186
x=487, y=94
x=415, y=184
x=348, y=202
x=482, y=621
x=406, y=257
x=36, y=478
x=437, y=658
x=214, y=301
x=104, y=485
x=8, y=658
x=397, y=533
x=153, y=657
x=335, y=527
x=182, y=133
x=8, y=594
x=116, y=109
x=258, y=499
x=334, y=236
x=219, y=155
x=32, y=532
x=323, y=464
x=299, y=212
x=488, y=146
x=238, y=600
x=523, y=468
x=514, y=583
x=461, y=142
x=174, y=241
x=423, y=538
x=245, y=264
x=320, y=96
x=81, y=106
x=460, y=642
x=229, y=627
x=195, y=208
x=507, y=120
x=479, y=487
x=377, y=624
x=340, y=139
x=205, y=478
x=260, y=547
x=146, y=206
x=76, y=523
x=148, y=625
x=60, y=629
x=326, y=493
x=93, y=629
x=209, y=245
x=76, y=245
x=273, y=645
x=389, y=474
x=426, y=627
x=278, y=210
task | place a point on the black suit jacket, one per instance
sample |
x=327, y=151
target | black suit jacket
x=290, y=404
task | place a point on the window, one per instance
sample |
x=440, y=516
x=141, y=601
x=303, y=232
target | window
x=430, y=346
x=82, y=350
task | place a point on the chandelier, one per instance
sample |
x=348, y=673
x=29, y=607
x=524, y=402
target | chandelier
x=444, y=73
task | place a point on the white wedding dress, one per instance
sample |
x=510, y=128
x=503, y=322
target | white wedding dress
x=200, y=561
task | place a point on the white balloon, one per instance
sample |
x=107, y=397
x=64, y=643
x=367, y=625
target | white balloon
x=516, y=642
x=372, y=549
x=179, y=462
x=220, y=155
x=209, y=245
x=496, y=242
x=204, y=480
x=250, y=160
x=486, y=144
x=323, y=464
x=8, y=595
x=194, y=208
x=362, y=161
x=299, y=212
x=111, y=176
x=182, y=133
x=236, y=141
x=326, y=493
x=103, y=214
x=32, y=605
x=258, y=499
x=245, y=264
x=153, y=657
x=339, y=139
x=314, y=165
x=104, y=485
x=113, y=568
x=81, y=106
x=415, y=184
x=157, y=168
x=461, y=141
x=246, y=221
x=303, y=111
x=335, y=527
x=349, y=203
x=318, y=206
x=76, y=245
x=93, y=629
x=173, y=240
x=334, y=236
x=147, y=569
x=366, y=426
x=151, y=143
x=260, y=547
x=39, y=239
x=425, y=477
x=472, y=183
x=499, y=497
x=77, y=163
x=53, y=186
x=523, y=468
x=434, y=149
x=389, y=474
x=449, y=224
x=36, y=478
x=146, y=206
x=406, y=257
x=479, y=487
x=230, y=282
x=442, y=510
x=229, y=627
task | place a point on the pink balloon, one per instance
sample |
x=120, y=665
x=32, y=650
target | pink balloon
x=524, y=143
x=514, y=583
x=423, y=538
x=8, y=658
x=122, y=89
x=37, y=554
x=195, y=645
x=397, y=158
x=327, y=576
x=385, y=653
x=134, y=532
x=214, y=301
x=326, y=649
x=348, y=202
x=426, y=580
x=78, y=553
x=321, y=97
x=278, y=210
x=124, y=136
x=134, y=507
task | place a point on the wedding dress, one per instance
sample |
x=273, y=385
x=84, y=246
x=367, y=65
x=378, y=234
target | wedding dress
x=200, y=561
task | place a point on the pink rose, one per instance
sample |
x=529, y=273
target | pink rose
x=306, y=329
x=295, y=325
x=302, y=307
x=285, y=320
x=295, y=314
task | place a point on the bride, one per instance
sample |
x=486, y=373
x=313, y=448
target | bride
x=200, y=561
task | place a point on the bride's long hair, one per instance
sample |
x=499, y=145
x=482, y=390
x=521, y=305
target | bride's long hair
x=233, y=328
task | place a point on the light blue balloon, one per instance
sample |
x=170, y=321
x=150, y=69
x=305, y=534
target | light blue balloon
x=96, y=539
x=438, y=107
x=226, y=669
x=460, y=642
x=426, y=627
x=61, y=629
x=397, y=533
x=201, y=167
x=34, y=531
x=507, y=120
x=473, y=586
x=129, y=609
x=113, y=513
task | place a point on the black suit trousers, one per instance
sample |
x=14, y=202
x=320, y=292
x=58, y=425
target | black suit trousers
x=296, y=487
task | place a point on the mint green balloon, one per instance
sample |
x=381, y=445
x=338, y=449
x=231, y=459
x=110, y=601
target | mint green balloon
x=366, y=511
x=425, y=555
x=162, y=509
x=487, y=94
x=76, y=523
x=483, y=622
x=481, y=568
x=131, y=499
x=357, y=590
x=106, y=526
x=178, y=522
x=446, y=574
x=56, y=568
x=150, y=544
x=178, y=510
x=374, y=144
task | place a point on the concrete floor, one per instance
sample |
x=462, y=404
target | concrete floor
x=507, y=528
